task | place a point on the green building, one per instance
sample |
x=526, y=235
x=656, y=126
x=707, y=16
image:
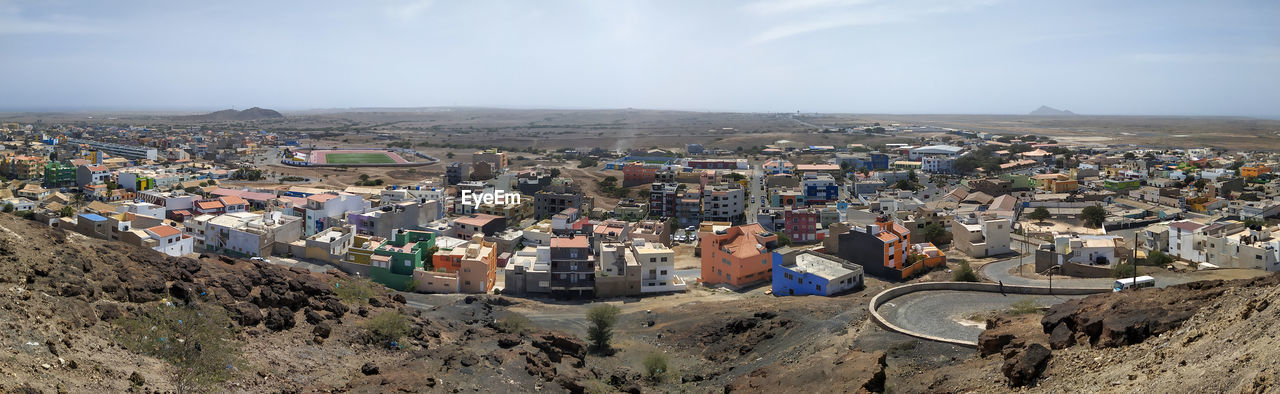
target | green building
x=58, y=174
x=1119, y=185
x=394, y=261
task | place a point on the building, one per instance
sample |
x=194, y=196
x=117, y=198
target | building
x=244, y=234
x=22, y=167
x=618, y=272
x=129, y=151
x=329, y=209
x=528, y=272
x=549, y=202
x=662, y=199
x=394, y=261
x=819, y=188
x=811, y=273
x=884, y=249
x=981, y=237
x=58, y=174
x=572, y=268
x=330, y=245
x=1057, y=183
x=947, y=151
x=479, y=223
x=638, y=173
x=801, y=225
x=737, y=256
x=168, y=240
x=91, y=175
x=631, y=210
x=468, y=268
x=1182, y=242
x=721, y=203
x=457, y=172
x=384, y=220
x=496, y=159
x=657, y=266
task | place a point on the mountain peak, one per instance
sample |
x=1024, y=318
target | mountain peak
x=1047, y=110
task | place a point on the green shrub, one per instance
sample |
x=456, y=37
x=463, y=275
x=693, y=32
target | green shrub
x=1123, y=271
x=655, y=366
x=387, y=326
x=602, y=319
x=514, y=323
x=964, y=273
x=197, y=340
x=1025, y=306
x=356, y=290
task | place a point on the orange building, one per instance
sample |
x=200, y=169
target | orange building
x=738, y=256
x=1254, y=172
x=638, y=173
x=470, y=268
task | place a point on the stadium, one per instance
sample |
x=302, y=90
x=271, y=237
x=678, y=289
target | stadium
x=350, y=158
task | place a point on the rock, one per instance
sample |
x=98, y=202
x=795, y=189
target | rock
x=375, y=302
x=1023, y=366
x=137, y=379
x=312, y=316
x=556, y=345
x=109, y=311
x=1061, y=337
x=369, y=369
x=399, y=298
x=247, y=315
x=279, y=319
x=185, y=291
x=322, y=330
x=508, y=341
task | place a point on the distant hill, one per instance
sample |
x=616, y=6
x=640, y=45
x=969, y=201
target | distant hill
x=254, y=113
x=1047, y=110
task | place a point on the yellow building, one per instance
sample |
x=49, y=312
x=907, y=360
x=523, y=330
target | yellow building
x=1254, y=171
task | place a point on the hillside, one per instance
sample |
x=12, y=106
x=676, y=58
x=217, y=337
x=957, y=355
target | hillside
x=254, y=113
x=68, y=302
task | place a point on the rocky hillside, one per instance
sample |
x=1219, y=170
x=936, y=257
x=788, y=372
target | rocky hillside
x=1210, y=336
x=66, y=299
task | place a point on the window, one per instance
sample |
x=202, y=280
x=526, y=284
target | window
x=664, y=272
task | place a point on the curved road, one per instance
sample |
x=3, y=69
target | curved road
x=946, y=313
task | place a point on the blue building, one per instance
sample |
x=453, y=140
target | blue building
x=806, y=272
x=819, y=187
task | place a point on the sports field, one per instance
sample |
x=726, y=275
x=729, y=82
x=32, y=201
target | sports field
x=358, y=158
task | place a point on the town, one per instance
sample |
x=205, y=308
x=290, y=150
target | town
x=917, y=196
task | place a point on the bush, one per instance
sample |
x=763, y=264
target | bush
x=1025, y=306
x=1157, y=258
x=1093, y=216
x=655, y=366
x=514, y=323
x=1123, y=271
x=964, y=273
x=602, y=319
x=196, y=340
x=387, y=326
x=1039, y=214
x=356, y=290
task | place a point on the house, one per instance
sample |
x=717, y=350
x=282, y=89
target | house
x=884, y=249
x=801, y=225
x=324, y=210
x=778, y=166
x=737, y=256
x=468, y=268
x=1057, y=183
x=168, y=240
x=572, y=267
x=725, y=202
x=1182, y=242
x=19, y=204
x=819, y=188
x=618, y=272
x=245, y=234
x=981, y=237
x=798, y=272
x=32, y=191
x=528, y=272
x=394, y=261
x=479, y=223
x=210, y=207
x=330, y=245
x=657, y=267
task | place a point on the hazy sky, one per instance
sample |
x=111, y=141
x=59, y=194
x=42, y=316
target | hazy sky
x=894, y=56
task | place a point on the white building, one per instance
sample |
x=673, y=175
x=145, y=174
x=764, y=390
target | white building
x=142, y=208
x=657, y=267
x=981, y=237
x=169, y=240
x=1182, y=243
x=243, y=233
x=935, y=151
x=330, y=209
x=723, y=203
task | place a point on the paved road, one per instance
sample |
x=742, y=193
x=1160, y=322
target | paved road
x=945, y=313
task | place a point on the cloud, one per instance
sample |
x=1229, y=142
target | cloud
x=832, y=14
x=14, y=21
x=409, y=10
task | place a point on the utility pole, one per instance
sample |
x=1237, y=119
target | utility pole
x=1134, y=260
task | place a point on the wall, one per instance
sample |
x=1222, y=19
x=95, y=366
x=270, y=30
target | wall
x=890, y=294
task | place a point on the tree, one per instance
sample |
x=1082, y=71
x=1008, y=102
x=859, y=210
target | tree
x=1039, y=215
x=449, y=155
x=1158, y=258
x=1130, y=156
x=934, y=232
x=587, y=163
x=555, y=172
x=67, y=211
x=1123, y=271
x=195, y=339
x=903, y=184
x=1093, y=216
x=964, y=273
x=602, y=319
x=8, y=207
x=783, y=239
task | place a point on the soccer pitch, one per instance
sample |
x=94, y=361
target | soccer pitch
x=358, y=158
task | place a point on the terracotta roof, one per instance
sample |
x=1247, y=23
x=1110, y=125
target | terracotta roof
x=567, y=242
x=1186, y=226
x=208, y=205
x=478, y=220
x=232, y=200
x=164, y=231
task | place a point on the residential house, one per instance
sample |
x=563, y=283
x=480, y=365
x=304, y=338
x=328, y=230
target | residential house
x=737, y=256
x=797, y=272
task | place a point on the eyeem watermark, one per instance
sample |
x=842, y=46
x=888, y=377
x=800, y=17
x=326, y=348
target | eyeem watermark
x=498, y=196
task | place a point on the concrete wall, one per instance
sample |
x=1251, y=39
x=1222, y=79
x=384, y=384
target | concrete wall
x=890, y=294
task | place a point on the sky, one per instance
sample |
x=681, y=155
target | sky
x=851, y=56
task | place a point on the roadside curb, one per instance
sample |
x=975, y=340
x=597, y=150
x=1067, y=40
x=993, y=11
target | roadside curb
x=889, y=294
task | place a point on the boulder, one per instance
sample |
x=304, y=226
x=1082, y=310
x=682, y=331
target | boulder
x=1062, y=337
x=369, y=369
x=1023, y=366
x=247, y=315
x=279, y=319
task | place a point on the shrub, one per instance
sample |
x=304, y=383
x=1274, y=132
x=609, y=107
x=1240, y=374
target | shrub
x=964, y=273
x=1024, y=306
x=196, y=340
x=1123, y=271
x=602, y=319
x=514, y=323
x=655, y=366
x=1157, y=258
x=387, y=326
x=353, y=290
